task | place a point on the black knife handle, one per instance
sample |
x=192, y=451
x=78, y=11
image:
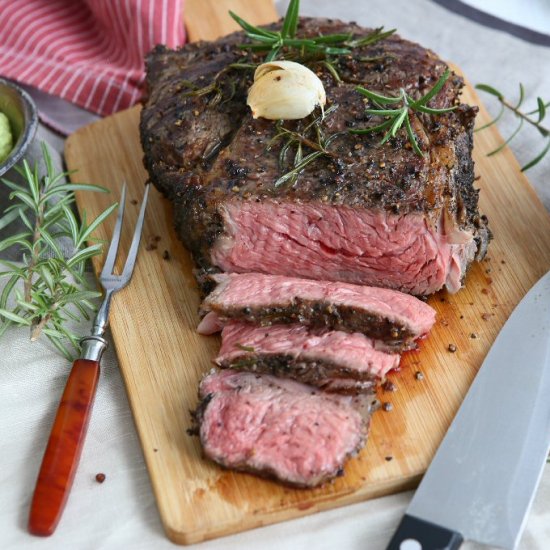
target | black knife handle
x=417, y=534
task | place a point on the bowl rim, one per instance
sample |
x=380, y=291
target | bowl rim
x=29, y=130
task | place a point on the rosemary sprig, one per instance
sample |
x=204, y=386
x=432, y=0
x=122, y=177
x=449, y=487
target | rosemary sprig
x=242, y=347
x=397, y=116
x=47, y=290
x=522, y=117
x=275, y=42
x=312, y=137
x=216, y=86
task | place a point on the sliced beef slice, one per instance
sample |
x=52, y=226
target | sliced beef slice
x=394, y=318
x=279, y=428
x=372, y=214
x=327, y=359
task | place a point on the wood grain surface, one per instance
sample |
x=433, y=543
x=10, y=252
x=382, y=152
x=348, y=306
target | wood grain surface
x=162, y=358
x=208, y=19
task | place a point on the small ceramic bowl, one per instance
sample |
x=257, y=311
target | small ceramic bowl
x=21, y=111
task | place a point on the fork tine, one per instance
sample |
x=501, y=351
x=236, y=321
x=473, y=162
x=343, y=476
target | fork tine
x=132, y=254
x=109, y=264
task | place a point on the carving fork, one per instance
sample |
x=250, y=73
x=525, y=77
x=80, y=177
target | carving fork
x=66, y=439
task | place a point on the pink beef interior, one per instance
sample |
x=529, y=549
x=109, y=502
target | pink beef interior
x=352, y=351
x=256, y=290
x=342, y=243
x=278, y=426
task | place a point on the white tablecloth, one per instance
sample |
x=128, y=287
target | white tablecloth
x=121, y=512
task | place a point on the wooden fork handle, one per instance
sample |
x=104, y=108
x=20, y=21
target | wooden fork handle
x=64, y=447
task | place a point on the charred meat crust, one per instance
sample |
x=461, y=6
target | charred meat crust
x=316, y=372
x=319, y=314
x=200, y=154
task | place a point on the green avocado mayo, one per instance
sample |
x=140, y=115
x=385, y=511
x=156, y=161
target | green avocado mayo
x=6, y=137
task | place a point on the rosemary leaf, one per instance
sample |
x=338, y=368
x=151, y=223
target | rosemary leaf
x=522, y=116
x=273, y=54
x=47, y=290
x=398, y=122
x=86, y=232
x=433, y=92
x=70, y=187
x=336, y=51
x=306, y=42
x=521, y=96
x=290, y=23
x=53, y=333
x=251, y=28
x=311, y=137
x=494, y=121
x=10, y=216
x=373, y=96
x=297, y=169
x=538, y=158
x=58, y=344
x=50, y=242
x=299, y=154
x=545, y=106
x=26, y=305
x=541, y=109
x=376, y=36
x=432, y=111
x=261, y=38
x=332, y=70
x=245, y=348
x=12, y=316
x=20, y=238
x=389, y=134
x=25, y=219
x=84, y=254
x=505, y=143
x=71, y=223
x=25, y=198
x=412, y=137
x=400, y=114
x=372, y=129
x=8, y=289
x=78, y=296
x=489, y=90
x=384, y=112
x=332, y=38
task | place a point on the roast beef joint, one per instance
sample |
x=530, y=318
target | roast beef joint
x=314, y=269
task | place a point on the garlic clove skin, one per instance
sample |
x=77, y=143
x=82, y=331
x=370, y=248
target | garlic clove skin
x=285, y=90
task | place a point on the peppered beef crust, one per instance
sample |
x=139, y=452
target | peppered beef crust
x=318, y=314
x=317, y=373
x=201, y=152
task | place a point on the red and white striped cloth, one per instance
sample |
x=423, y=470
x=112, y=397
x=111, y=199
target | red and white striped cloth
x=89, y=52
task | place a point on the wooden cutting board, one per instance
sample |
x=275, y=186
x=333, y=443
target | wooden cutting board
x=162, y=358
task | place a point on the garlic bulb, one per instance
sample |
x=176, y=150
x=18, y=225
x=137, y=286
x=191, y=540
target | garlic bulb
x=285, y=90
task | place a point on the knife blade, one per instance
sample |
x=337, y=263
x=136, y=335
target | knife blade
x=483, y=477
